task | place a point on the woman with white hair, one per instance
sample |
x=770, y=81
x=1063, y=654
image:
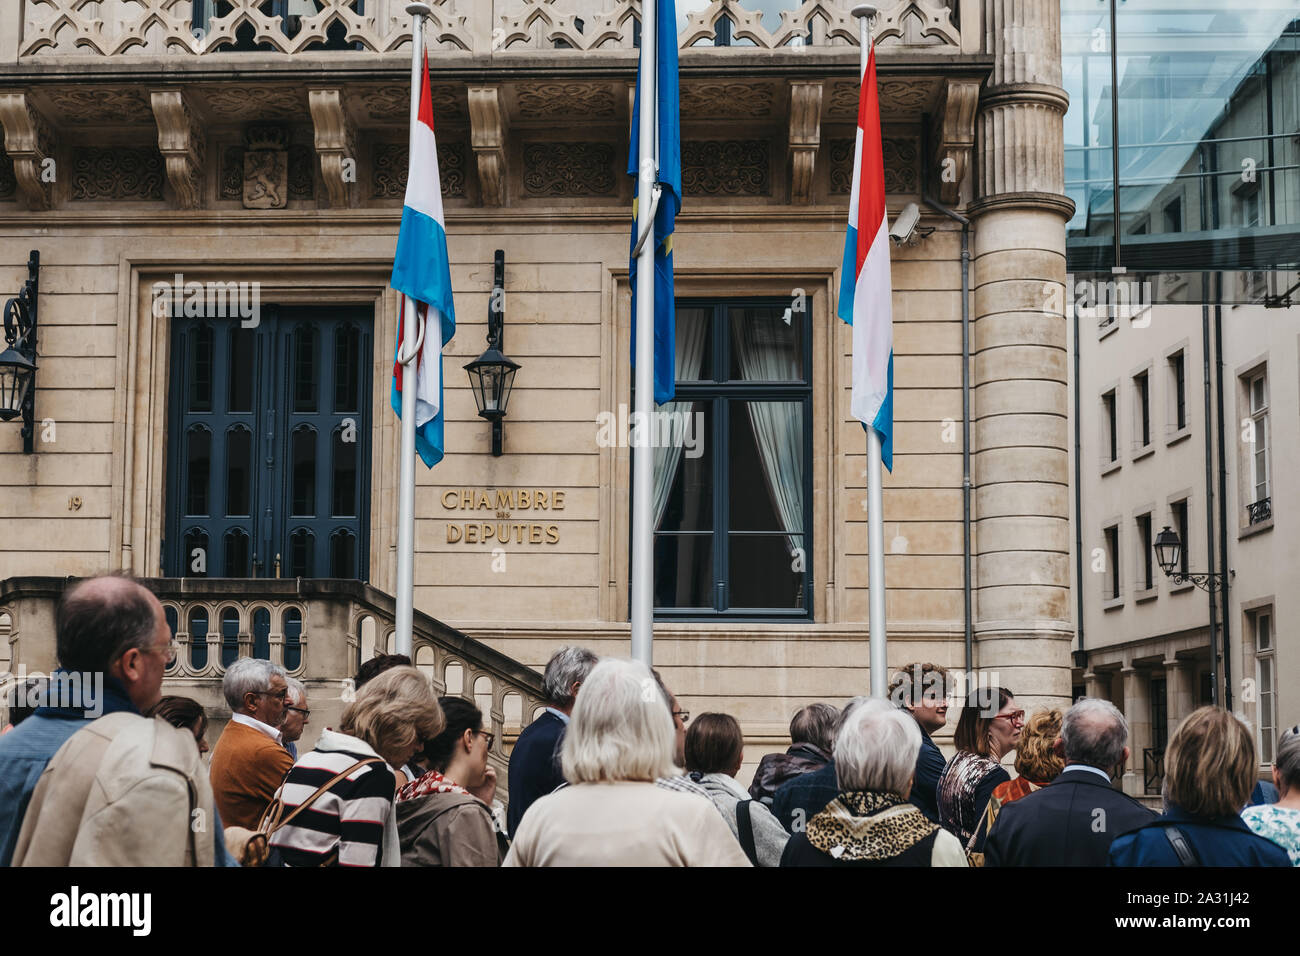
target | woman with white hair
x=871, y=823
x=620, y=739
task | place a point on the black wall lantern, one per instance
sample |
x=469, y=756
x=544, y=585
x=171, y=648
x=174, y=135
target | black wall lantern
x=1169, y=551
x=18, y=360
x=492, y=374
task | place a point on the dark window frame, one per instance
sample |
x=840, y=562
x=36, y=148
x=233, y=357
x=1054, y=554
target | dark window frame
x=720, y=391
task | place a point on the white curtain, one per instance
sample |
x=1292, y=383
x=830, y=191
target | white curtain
x=691, y=331
x=765, y=357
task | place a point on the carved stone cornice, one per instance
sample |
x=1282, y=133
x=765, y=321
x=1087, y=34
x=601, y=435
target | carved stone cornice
x=180, y=140
x=954, y=136
x=335, y=144
x=488, y=130
x=1018, y=93
x=29, y=144
x=805, y=137
x=1063, y=206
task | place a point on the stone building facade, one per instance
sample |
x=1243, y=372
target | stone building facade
x=235, y=143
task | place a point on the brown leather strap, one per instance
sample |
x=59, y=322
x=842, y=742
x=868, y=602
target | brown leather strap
x=277, y=824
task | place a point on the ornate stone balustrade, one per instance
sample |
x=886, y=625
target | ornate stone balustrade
x=321, y=630
x=186, y=28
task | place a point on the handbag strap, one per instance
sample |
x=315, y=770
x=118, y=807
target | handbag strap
x=323, y=788
x=1183, y=849
x=745, y=830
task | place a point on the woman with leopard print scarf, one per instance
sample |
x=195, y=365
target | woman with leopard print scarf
x=871, y=823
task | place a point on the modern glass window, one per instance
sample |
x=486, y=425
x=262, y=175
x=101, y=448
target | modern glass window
x=1110, y=428
x=1111, y=589
x=1178, y=390
x=1266, y=683
x=1146, y=580
x=1180, y=134
x=1142, y=398
x=269, y=446
x=733, y=464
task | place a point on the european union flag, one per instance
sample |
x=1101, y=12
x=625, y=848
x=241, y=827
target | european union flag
x=668, y=151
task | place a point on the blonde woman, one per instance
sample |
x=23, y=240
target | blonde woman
x=349, y=778
x=619, y=740
x=1037, y=762
x=1209, y=772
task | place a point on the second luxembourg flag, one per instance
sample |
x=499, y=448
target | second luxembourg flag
x=864, y=280
x=422, y=273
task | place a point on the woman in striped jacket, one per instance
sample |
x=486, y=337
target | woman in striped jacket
x=351, y=823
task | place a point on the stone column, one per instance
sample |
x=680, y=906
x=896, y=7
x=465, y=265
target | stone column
x=1178, y=691
x=1092, y=686
x=1020, y=372
x=1137, y=711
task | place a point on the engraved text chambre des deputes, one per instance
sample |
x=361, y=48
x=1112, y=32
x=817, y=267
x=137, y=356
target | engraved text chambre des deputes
x=503, y=502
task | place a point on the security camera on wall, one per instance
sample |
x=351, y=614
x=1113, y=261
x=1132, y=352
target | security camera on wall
x=905, y=223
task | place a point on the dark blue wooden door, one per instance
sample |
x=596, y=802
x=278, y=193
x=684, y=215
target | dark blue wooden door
x=269, y=450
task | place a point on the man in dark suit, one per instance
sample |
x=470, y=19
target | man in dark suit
x=535, y=761
x=1072, y=821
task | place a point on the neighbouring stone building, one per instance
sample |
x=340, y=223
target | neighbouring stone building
x=261, y=145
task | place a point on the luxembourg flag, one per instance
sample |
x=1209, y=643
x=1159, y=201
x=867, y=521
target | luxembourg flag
x=422, y=273
x=864, y=280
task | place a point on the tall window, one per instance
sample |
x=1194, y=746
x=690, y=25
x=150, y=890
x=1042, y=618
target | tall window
x=269, y=446
x=1142, y=388
x=1266, y=677
x=1178, y=389
x=732, y=484
x=1146, y=580
x=1179, y=509
x=1112, y=588
x=1257, y=391
x=1110, y=428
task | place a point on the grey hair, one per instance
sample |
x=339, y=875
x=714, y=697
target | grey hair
x=845, y=711
x=876, y=749
x=1095, y=733
x=297, y=689
x=568, y=666
x=815, y=724
x=621, y=729
x=1287, y=759
x=248, y=675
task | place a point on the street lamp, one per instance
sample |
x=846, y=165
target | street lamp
x=492, y=374
x=1169, y=549
x=18, y=361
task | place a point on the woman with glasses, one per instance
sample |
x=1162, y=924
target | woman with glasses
x=444, y=818
x=988, y=729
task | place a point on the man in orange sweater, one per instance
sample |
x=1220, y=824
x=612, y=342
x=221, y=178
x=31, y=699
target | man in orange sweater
x=249, y=762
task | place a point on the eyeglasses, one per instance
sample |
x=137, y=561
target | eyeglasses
x=1016, y=716
x=491, y=737
x=278, y=695
x=169, y=652
x=300, y=710
x=685, y=715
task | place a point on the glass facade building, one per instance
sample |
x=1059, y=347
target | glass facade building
x=1182, y=140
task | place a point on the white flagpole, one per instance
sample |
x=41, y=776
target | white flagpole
x=643, y=455
x=865, y=13
x=410, y=369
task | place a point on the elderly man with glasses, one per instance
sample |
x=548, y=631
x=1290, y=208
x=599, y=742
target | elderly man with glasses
x=296, y=716
x=250, y=761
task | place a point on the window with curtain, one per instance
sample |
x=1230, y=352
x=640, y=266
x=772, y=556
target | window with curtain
x=733, y=456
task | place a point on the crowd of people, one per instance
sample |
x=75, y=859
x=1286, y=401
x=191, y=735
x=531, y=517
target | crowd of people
x=612, y=773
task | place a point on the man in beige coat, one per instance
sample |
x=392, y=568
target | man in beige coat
x=124, y=791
